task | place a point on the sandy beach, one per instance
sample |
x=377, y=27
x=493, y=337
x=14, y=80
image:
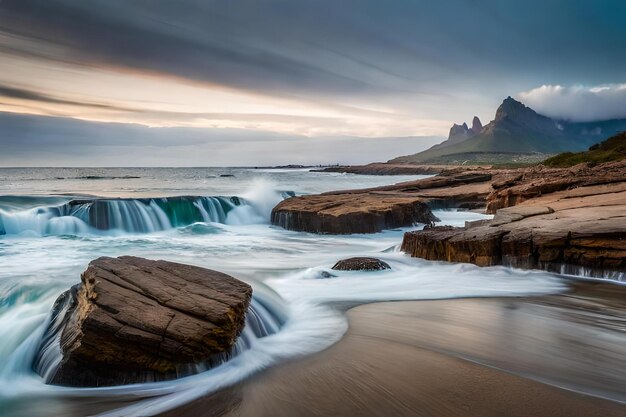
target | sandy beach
x=453, y=358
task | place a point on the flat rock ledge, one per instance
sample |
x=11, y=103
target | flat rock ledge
x=564, y=221
x=372, y=210
x=592, y=198
x=350, y=213
x=135, y=320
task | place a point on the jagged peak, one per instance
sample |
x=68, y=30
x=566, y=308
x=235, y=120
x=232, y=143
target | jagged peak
x=477, y=126
x=510, y=107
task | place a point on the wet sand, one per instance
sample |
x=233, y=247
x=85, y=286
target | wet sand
x=471, y=357
x=549, y=356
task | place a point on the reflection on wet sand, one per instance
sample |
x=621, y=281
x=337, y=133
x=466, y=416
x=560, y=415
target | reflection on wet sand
x=403, y=358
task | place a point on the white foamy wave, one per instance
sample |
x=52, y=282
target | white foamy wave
x=261, y=197
x=314, y=324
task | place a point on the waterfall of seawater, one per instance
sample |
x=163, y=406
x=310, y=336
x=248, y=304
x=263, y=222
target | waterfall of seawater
x=123, y=215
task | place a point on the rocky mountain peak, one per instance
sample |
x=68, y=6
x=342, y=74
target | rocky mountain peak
x=513, y=108
x=459, y=133
x=477, y=126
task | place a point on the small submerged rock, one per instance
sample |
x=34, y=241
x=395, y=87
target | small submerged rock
x=133, y=319
x=326, y=274
x=361, y=264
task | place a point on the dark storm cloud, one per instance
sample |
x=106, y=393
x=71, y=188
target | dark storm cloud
x=23, y=94
x=333, y=47
x=27, y=140
x=27, y=132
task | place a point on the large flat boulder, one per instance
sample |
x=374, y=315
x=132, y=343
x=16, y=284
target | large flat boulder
x=344, y=214
x=374, y=209
x=133, y=319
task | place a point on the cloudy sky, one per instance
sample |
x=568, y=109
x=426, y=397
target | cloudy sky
x=253, y=82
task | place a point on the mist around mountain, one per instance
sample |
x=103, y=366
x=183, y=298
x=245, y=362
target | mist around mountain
x=517, y=134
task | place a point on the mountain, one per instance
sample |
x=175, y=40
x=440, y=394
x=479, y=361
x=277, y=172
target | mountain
x=612, y=149
x=460, y=133
x=517, y=133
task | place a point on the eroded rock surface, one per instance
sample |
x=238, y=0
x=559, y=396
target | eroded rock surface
x=518, y=186
x=344, y=214
x=375, y=209
x=361, y=264
x=133, y=319
x=563, y=220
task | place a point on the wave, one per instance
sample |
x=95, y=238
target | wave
x=135, y=215
x=123, y=215
x=144, y=215
x=23, y=202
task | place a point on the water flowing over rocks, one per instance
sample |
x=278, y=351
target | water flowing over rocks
x=361, y=264
x=133, y=319
x=563, y=220
x=131, y=215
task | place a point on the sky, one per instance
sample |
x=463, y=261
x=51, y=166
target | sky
x=256, y=82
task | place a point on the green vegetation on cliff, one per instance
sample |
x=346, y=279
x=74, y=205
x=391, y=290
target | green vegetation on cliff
x=612, y=149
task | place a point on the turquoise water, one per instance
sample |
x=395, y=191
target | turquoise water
x=52, y=226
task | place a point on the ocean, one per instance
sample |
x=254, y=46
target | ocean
x=54, y=221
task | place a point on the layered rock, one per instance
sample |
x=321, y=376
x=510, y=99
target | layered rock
x=361, y=264
x=562, y=220
x=132, y=320
x=531, y=183
x=350, y=213
x=375, y=209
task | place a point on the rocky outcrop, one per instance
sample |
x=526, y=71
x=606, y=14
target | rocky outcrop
x=458, y=133
x=384, y=168
x=531, y=183
x=361, y=264
x=133, y=319
x=477, y=126
x=559, y=242
x=375, y=209
x=380, y=168
x=562, y=220
x=350, y=213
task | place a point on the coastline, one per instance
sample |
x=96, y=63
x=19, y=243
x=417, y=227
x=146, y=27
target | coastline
x=388, y=168
x=425, y=358
x=545, y=218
